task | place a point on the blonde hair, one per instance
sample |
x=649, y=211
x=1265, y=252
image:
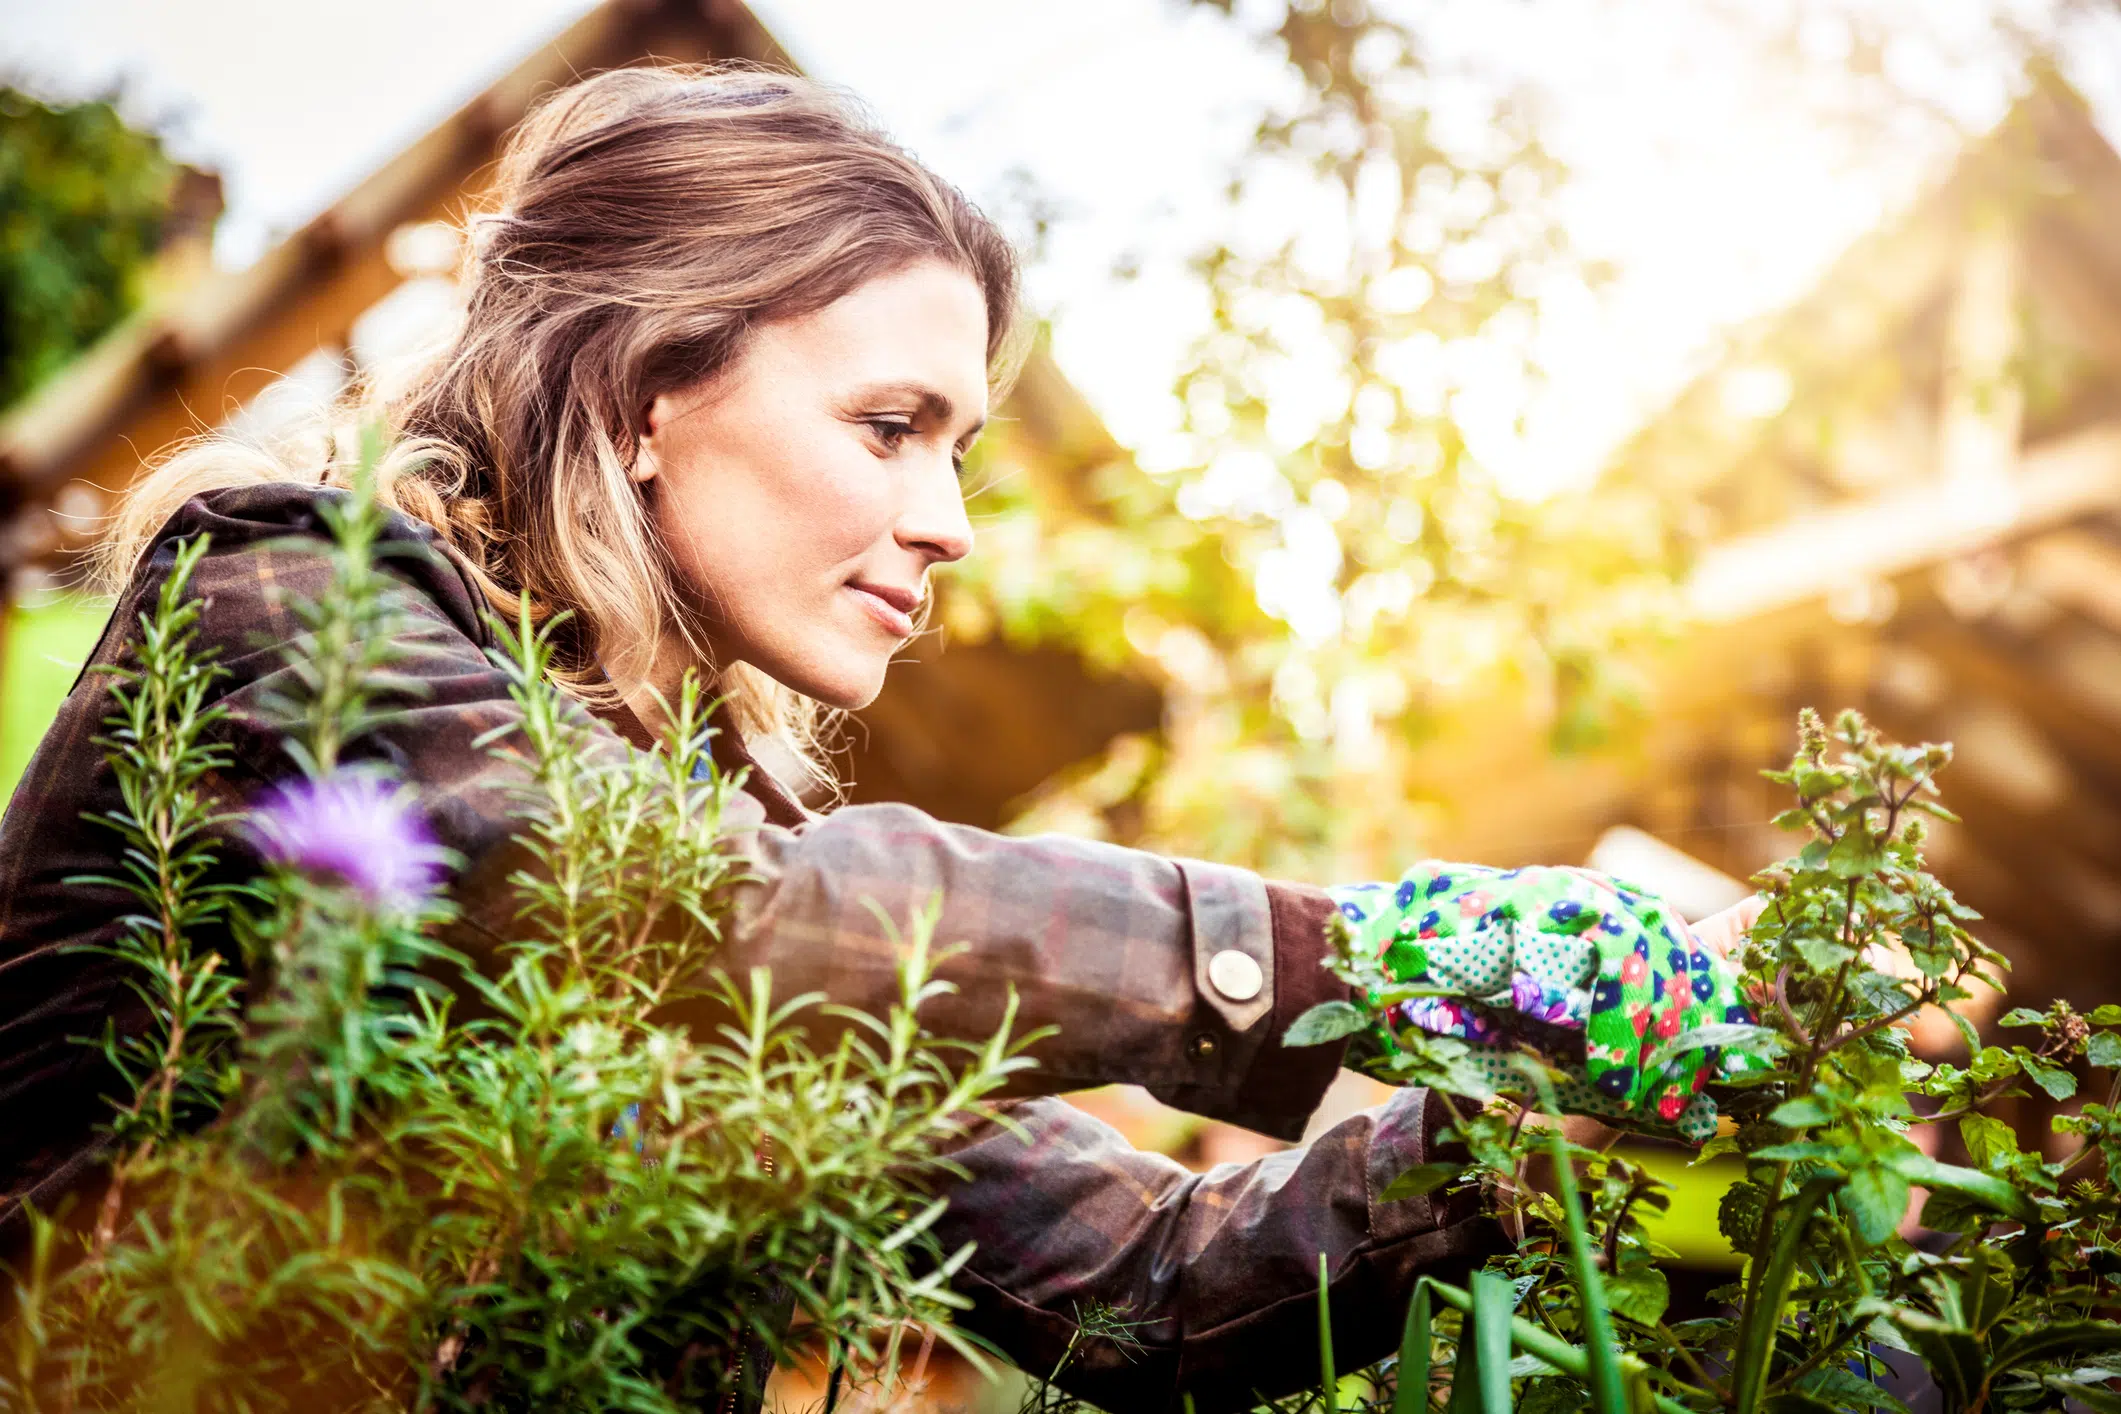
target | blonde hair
x=645, y=220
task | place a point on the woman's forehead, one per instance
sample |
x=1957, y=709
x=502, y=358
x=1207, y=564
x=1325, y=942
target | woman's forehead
x=919, y=332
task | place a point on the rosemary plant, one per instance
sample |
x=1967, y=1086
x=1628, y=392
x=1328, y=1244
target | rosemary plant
x=357, y=1172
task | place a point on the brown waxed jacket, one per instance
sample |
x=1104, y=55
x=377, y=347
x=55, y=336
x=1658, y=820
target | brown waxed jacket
x=1109, y=945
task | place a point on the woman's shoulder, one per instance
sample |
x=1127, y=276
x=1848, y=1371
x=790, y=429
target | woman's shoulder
x=238, y=517
x=269, y=539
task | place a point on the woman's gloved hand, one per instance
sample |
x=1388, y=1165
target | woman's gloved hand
x=1562, y=948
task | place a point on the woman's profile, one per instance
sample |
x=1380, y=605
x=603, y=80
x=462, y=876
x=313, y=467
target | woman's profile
x=724, y=348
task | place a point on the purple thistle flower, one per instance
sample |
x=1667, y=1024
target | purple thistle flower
x=355, y=828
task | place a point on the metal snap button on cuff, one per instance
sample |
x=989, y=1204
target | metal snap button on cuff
x=1235, y=975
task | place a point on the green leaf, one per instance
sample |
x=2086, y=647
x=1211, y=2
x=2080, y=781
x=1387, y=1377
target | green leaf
x=1987, y=1140
x=1738, y=1214
x=2104, y=1050
x=1548, y=1397
x=1601, y=1351
x=1967, y=1033
x=1799, y=1112
x=1758, y=1040
x=2092, y=1397
x=1876, y=1197
x=1858, y=852
x=1412, y=1394
x=1946, y=1211
x=1954, y=1359
x=1639, y=1293
x=2106, y=1014
x=2064, y=1340
x=1716, y=1148
x=1841, y=1387
x=1463, y=1077
x=1918, y=1167
x=1798, y=1152
x=1791, y=1402
x=2060, y=1084
x=1420, y=1179
x=1494, y=1302
x=1465, y=1373
x=1329, y=1378
x=1328, y=1021
x=2023, y=1016
x=1824, y=953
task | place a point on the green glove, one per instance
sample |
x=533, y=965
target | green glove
x=1567, y=948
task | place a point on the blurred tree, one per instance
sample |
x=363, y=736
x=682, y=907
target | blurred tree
x=1333, y=557
x=83, y=198
x=1333, y=560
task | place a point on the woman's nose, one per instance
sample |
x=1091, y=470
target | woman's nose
x=934, y=524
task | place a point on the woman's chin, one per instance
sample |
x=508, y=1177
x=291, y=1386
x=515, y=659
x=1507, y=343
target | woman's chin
x=847, y=686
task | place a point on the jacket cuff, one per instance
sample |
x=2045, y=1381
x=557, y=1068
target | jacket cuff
x=1286, y=1083
x=1403, y=1136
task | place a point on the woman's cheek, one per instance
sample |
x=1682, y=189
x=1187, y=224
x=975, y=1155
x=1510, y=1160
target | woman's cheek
x=852, y=508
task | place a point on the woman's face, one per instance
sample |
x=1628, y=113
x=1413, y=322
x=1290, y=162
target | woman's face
x=805, y=491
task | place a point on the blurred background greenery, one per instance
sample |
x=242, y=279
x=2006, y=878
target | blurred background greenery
x=1461, y=427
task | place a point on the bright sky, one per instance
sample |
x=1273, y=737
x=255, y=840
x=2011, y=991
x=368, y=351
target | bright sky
x=1125, y=112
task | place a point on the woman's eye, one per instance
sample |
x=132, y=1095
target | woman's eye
x=892, y=433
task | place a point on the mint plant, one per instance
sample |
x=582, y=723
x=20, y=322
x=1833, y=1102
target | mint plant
x=2000, y=1288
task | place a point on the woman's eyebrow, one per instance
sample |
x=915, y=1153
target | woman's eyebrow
x=931, y=402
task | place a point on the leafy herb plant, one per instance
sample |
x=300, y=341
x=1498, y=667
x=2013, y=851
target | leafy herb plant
x=1998, y=1289
x=359, y=1172
x=1995, y=1291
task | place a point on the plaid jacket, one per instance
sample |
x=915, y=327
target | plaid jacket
x=1111, y=946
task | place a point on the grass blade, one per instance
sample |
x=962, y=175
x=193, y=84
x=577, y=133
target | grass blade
x=1326, y=1372
x=1492, y=1309
x=1609, y=1393
x=1534, y=1340
x=1465, y=1374
x=1412, y=1393
x=1763, y=1304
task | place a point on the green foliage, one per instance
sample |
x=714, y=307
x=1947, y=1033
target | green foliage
x=1315, y=588
x=2006, y=1300
x=82, y=202
x=339, y=1183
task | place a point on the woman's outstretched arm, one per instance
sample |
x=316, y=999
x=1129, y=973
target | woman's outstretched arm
x=1118, y=949
x=1212, y=1278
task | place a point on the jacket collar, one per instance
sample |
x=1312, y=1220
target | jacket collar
x=731, y=754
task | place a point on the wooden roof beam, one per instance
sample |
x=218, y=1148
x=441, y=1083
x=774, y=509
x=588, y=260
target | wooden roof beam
x=226, y=338
x=1976, y=661
x=1905, y=529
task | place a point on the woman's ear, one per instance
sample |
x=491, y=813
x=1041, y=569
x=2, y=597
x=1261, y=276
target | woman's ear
x=653, y=417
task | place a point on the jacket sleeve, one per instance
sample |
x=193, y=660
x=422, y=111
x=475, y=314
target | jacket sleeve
x=1142, y=1282
x=1120, y=950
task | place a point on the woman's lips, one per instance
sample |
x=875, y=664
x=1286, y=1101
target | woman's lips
x=883, y=605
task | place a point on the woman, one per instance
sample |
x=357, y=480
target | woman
x=724, y=349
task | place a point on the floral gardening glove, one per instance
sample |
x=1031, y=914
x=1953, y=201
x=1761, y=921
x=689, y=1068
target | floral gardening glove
x=1564, y=948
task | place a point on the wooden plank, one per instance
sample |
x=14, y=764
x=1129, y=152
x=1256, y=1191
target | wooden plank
x=1809, y=557
x=2080, y=571
x=1980, y=660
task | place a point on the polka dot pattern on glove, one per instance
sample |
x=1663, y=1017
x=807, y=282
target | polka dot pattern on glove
x=1566, y=947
